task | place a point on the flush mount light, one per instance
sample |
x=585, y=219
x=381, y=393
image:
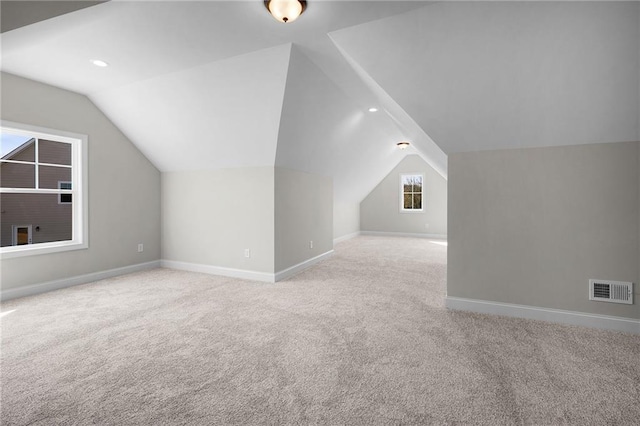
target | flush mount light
x=285, y=10
x=99, y=63
x=403, y=144
x=373, y=109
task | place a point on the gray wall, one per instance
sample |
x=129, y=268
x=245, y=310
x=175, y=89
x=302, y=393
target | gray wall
x=303, y=213
x=211, y=217
x=124, y=187
x=380, y=210
x=346, y=218
x=532, y=226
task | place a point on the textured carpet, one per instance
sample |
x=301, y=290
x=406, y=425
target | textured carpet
x=359, y=339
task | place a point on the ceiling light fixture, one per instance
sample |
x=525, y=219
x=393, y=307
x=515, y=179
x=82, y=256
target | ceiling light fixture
x=373, y=109
x=403, y=144
x=285, y=10
x=99, y=63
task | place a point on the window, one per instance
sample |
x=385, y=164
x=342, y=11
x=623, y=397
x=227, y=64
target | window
x=411, y=192
x=43, y=190
x=64, y=198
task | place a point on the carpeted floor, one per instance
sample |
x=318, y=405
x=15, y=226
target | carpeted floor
x=359, y=339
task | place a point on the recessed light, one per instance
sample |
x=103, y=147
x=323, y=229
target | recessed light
x=99, y=63
x=403, y=144
x=373, y=109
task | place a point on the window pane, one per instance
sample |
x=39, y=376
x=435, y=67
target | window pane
x=411, y=183
x=13, y=175
x=417, y=201
x=50, y=177
x=407, y=183
x=54, y=152
x=14, y=147
x=36, y=216
x=408, y=201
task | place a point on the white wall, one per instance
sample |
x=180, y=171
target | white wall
x=211, y=217
x=380, y=210
x=532, y=226
x=124, y=187
x=303, y=213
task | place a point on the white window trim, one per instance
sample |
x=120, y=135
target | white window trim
x=80, y=192
x=401, y=193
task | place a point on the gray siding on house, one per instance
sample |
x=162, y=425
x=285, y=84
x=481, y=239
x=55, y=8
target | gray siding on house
x=49, y=220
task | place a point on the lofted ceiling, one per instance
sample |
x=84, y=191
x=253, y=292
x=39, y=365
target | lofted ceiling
x=208, y=84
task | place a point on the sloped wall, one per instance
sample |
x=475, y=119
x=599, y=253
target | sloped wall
x=124, y=187
x=380, y=210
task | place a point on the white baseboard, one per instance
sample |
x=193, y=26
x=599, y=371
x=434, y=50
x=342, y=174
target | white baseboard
x=346, y=237
x=627, y=325
x=404, y=234
x=296, y=269
x=34, y=289
x=219, y=270
x=244, y=274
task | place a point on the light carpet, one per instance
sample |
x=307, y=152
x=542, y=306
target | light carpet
x=362, y=338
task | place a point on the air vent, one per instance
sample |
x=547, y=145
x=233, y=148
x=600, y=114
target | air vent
x=611, y=291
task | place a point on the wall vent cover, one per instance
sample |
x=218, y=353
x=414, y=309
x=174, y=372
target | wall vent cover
x=611, y=291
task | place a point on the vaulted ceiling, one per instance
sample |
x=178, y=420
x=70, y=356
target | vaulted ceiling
x=211, y=84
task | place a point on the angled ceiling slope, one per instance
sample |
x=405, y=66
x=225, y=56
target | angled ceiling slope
x=201, y=85
x=422, y=143
x=143, y=39
x=323, y=131
x=19, y=13
x=222, y=114
x=494, y=75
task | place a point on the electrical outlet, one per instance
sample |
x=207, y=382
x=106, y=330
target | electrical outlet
x=140, y=248
x=247, y=253
x=310, y=244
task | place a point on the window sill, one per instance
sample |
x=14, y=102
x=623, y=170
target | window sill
x=41, y=248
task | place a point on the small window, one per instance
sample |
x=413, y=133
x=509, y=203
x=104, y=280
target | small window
x=43, y=190
x=65, y=198
x=411, y=192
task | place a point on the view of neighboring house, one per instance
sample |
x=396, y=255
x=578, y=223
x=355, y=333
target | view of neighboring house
x=36, y=218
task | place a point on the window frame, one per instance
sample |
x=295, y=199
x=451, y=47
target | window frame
x=402, y=193
x=79, y=192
